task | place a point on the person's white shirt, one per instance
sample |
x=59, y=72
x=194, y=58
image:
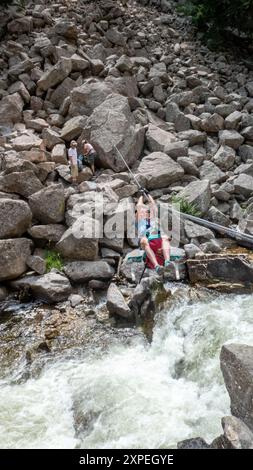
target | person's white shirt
x=72, y=154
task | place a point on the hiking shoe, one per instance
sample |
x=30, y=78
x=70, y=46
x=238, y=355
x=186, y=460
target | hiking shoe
x=167, y=263
x=159, y=270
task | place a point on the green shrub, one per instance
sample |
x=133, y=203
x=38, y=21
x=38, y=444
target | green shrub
x=216, y=17
x=185, y=206
x=53, y=260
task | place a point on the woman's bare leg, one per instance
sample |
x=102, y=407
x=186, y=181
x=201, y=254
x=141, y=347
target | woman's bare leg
x=149, y=252
x=166, y=248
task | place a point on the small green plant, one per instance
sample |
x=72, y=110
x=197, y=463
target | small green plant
x=185, y=206
x=53, y=260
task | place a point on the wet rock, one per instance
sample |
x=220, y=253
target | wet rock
x=222, y=271
x=158, y=170
x=195, y=443
x=236, y=435
x=3, y=293
x=75, y=300
x=236, y=367
x=48, y=205
x=199, y=194
x=15, y=218
x=52, y=287
x=84, y=271
x=97, y=285
x=116, y=303
x=13, y=256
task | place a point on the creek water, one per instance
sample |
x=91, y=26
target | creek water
x=137, y=396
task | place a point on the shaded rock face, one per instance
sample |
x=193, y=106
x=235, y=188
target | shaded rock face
x=237, y=370
x=24, y=183
x=13, y=255
x=222, y=271
x=15, y=217
x=112, y=124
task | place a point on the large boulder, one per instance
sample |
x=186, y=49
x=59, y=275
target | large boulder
x=15, y=217
x=50, y=232
x=48, y=205
x=11, y=107
x=110, y=125
x=55, y=74
x=24, y=183
x=231, y=138
x=73, y=128
x=158, y=170
x=193, y=230
x=80, y=241
x=209, y=171
x=199, y=194
x=244, y=184
x=52, y=287
x=116, y=303
x=84, y=271
x=227, y=272
x=157, y=139
x=237, y=368
x=13, y=255
x=236, y=435
x=26, y=142
x=85, y=98
x=224, y=157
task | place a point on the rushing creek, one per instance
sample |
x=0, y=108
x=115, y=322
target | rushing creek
x=137, y=396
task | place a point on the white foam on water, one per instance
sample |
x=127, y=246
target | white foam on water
x=137, y=396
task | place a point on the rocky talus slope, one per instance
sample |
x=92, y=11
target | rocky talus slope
x=126, y=74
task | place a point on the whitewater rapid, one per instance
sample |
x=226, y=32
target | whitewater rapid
x=137, y=396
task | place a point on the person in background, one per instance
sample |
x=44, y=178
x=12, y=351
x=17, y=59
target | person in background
x=72, y=155
x=89, y=154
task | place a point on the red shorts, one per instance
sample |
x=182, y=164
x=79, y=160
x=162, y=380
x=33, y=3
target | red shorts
x=156, y=246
